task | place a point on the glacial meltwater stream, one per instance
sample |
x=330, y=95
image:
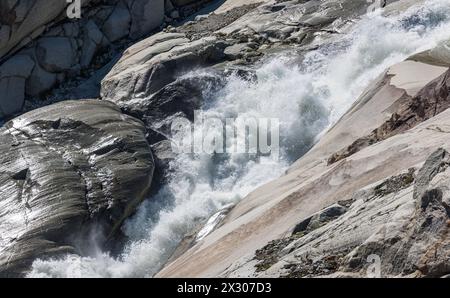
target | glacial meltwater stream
x=306, y=99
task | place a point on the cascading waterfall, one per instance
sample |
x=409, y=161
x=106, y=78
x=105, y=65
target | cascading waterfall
x=307, y=98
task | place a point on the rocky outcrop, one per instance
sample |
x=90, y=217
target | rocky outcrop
x=412, y=242
x=238, y=36
x=68, y=170
x=18, y=27
x=156, y=62
x=390, y=199
x=60, y=48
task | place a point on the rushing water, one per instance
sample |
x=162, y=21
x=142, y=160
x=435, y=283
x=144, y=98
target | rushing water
x=307, y=98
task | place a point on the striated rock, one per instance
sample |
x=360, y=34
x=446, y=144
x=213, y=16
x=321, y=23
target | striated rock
x=117, y=26
x=378, y=186
x=432, y=100
x=403, y=231
x=69, y=169
x=156, y=62
x=65, y=48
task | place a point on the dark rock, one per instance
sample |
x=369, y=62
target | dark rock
x=163, y=155
x=67, y=170
x=55, y=54
x=178, y=99
x=319, y=219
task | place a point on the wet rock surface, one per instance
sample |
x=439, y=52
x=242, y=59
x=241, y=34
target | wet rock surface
x=68, y=170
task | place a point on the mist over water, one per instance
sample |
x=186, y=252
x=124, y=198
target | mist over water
x=306, y=99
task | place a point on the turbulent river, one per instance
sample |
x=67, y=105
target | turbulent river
x=306, y=98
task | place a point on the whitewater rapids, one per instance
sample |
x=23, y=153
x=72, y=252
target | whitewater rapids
x=306, y=98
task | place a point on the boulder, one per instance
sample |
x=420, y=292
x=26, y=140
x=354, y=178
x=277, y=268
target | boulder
x=18, y=66
x=178, y=99
x=67, y=170
x=13, y=75
x=55, y=54
x=39, y=81
x=156, y=62
x=21, y=24
x=12, y=90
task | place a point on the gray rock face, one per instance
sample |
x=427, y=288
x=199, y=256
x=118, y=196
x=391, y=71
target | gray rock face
x=154, y=63
x=66, y=47
x=401, y=232
x=178, y=99
x=117, y=25
x=66, y=170
x=13, y=76
x=163, y=155
x=20, y=25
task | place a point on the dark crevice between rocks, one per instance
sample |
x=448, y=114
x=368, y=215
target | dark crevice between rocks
x=21, y=175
